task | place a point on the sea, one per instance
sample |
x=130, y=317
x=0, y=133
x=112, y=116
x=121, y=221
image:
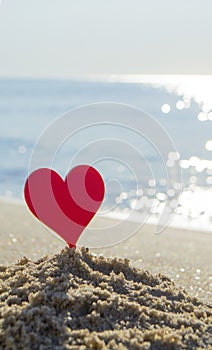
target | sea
x=180, y=106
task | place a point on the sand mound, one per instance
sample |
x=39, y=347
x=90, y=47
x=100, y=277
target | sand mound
x=77, y=301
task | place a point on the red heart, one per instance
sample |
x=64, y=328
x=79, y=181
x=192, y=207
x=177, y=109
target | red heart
x=65, y=206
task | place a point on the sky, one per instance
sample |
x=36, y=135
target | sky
x=78, y=38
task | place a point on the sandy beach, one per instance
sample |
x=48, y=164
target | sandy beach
x=158, y=296
x=75, y=300
x=182, y=255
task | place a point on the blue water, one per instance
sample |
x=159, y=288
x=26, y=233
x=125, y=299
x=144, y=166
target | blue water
x=28, y=106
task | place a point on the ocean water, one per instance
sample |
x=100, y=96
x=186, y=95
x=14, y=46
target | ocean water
x=28, y=107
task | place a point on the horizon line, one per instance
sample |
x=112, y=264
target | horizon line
x=117, y=78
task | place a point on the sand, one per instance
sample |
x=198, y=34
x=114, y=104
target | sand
x=158, y=296
x=184, y=256
x=74, y=300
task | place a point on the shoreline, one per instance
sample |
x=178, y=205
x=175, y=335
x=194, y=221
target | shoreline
x=178, y=222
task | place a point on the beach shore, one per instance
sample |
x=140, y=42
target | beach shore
x=121, y=297
x=182, y=255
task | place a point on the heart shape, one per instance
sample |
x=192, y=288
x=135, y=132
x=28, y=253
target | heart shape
x=66, y=206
